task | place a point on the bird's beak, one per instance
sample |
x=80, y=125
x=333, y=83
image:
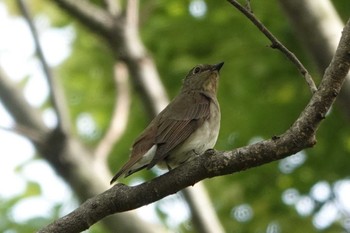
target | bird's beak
x=218, y=66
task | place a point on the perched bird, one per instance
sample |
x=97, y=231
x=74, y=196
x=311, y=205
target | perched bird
x=187, y=127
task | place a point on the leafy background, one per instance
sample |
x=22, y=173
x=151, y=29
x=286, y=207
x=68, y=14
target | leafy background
x=261, y=94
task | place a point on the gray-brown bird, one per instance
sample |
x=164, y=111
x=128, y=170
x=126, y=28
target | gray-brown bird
x=187, y=127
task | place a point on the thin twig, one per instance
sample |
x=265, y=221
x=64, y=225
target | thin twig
x=276, y=44
x=56, y=95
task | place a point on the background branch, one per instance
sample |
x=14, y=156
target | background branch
x=203, y=214
x=212, y=163
x=95, y=18
x=56, y=95
x=13, y=100
x=118, y=122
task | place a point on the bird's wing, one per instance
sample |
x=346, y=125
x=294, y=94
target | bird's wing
x=142, y=144
x=181, y=118
x=168, y=129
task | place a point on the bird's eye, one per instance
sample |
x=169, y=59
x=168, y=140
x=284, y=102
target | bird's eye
x=196, y=70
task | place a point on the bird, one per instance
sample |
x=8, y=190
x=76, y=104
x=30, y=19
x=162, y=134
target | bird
x=187, y=127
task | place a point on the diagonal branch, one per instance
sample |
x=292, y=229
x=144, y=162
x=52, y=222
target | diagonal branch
x=215, y=163
x=56, y=95
x=276, y=44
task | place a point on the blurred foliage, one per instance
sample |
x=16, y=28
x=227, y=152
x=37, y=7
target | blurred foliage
x=261, y=94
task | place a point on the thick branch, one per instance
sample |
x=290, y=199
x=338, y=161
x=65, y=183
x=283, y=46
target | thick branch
x=276, y=44
x=214, y=163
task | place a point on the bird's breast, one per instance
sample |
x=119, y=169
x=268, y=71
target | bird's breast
x=202, y=139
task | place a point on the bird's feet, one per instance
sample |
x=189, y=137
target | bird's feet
x=210, y=152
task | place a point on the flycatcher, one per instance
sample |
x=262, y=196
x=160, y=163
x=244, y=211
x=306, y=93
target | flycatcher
x=187, y=127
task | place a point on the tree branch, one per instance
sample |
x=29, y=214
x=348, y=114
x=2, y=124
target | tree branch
x=56, y=95
x=276, y=44
x=215, y=163
x=118, y=122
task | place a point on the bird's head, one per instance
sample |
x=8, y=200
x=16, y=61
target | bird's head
x=203, y=77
